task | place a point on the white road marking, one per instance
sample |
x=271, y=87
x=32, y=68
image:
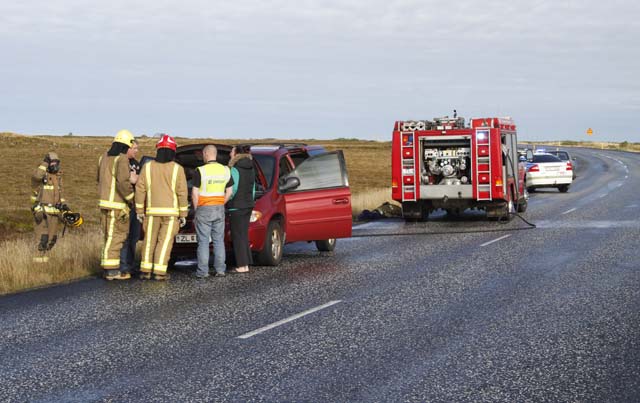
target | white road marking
x=632, y=206
x=496, y=240
x=604, y=195
x=287, y=320
x=569, y=211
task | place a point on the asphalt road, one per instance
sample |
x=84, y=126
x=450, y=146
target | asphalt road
x=448, y=310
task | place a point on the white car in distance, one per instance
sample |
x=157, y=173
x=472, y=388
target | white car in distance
x=548, y=171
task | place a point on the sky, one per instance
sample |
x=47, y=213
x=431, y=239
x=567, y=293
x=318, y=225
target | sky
x=321, y=69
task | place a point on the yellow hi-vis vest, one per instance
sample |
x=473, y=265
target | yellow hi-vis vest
x=213, y=183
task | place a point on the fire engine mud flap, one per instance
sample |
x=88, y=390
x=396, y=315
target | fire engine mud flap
x=503, y=211
x=412, y=211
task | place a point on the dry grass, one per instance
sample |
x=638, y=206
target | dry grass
x=368, y=162
x=76, y=255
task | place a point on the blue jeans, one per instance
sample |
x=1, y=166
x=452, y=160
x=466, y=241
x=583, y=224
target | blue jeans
x=210, y=223
x=128, y=251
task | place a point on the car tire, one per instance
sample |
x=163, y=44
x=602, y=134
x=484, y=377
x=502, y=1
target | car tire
x=531, y=189
x=326, y=245
x=271, y=254
x=563, y=188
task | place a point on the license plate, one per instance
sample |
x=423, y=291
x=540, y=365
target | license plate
x=552, y=169
x=186, y=238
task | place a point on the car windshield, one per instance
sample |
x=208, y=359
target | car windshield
x=267, y=165
x=563, y=155
x=545, y=158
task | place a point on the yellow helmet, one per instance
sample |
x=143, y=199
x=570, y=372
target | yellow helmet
x=124, y=136
x=72, y=219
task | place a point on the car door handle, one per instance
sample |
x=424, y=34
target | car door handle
x=341, y=201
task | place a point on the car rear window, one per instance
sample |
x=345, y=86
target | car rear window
x=267, y=165
x=546, y=158
x=563, y=155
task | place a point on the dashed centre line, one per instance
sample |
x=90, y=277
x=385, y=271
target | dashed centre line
x=569, y=211
x=287, y=320
x=496, y=240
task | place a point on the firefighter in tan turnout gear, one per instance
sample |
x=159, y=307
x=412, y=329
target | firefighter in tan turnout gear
x=47, y=204
x=116, y=196
x=161, y=205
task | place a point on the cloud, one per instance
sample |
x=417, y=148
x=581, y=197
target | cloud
x=282, y=61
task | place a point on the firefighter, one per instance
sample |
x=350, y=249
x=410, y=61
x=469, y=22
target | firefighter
x=162, y=207
x=47, y=204
x=115, y=201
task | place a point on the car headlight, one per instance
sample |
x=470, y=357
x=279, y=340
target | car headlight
x=255, y=216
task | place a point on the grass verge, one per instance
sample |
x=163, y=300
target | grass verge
x=75, y=256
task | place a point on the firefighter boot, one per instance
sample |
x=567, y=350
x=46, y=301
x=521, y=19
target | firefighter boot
x=44, y=240
x=116, y=275
x=161, y=277
x=52, y=243
x=145, y=276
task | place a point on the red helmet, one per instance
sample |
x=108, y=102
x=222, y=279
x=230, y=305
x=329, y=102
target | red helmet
x=166, y=141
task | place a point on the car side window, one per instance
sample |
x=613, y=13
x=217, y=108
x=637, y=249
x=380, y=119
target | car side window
x=322, y=172
x=298, y=158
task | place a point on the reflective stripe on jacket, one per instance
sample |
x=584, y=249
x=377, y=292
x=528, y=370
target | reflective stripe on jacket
x=162, y=190
x=213, y=183
x=114, y=188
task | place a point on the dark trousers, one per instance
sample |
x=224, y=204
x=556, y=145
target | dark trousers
x=128, y=251
x=239, y=221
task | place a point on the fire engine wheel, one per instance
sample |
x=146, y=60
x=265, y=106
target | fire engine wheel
x=271, y=254
x=326, y=245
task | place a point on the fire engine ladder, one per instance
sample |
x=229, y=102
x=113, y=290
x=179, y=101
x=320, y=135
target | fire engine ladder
x=484, y=160
x=408, y=166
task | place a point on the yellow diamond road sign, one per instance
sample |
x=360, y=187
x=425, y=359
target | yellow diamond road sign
x=589, y=131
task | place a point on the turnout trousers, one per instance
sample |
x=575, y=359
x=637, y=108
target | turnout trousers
x=159, y=233
x=46, y=230
x=116, y=229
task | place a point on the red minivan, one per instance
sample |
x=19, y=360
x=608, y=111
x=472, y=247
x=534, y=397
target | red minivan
x=302, y=194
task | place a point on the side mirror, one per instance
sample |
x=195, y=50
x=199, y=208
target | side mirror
x=290, y=183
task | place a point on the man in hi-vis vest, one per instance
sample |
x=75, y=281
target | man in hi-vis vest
x=212, y=188
x=162, y=206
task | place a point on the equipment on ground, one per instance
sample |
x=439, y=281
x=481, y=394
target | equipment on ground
x=442, y=163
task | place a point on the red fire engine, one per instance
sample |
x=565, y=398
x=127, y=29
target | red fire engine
x=443, y=164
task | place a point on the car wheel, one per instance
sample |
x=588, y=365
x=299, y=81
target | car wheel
x=326, y=245
x=563, y=188
x=271, y=254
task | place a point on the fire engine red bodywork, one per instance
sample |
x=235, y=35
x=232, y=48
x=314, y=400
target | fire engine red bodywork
x=495, y=175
